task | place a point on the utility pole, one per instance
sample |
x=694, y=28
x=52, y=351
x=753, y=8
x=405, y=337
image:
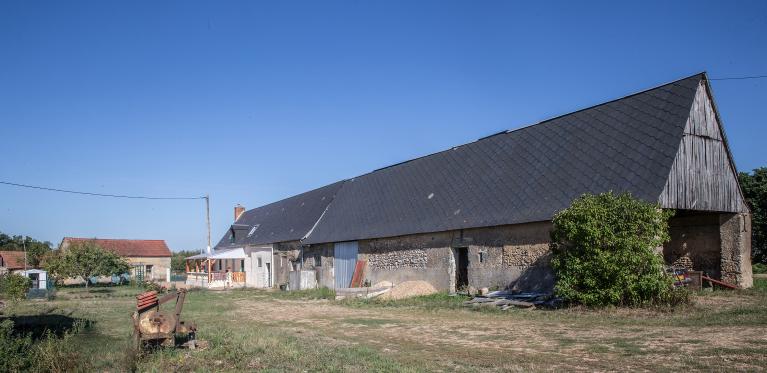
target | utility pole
x=24, y=244
x=207, y=216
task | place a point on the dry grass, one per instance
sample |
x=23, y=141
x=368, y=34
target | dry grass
x=258, y=330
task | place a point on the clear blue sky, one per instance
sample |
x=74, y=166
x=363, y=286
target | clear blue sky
x=256, y=101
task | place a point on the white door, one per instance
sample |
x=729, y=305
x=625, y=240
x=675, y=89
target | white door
x=258, y=269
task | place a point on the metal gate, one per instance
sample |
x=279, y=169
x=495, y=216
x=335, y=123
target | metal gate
x=344, y=260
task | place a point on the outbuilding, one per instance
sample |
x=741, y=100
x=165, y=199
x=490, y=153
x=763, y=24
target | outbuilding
x=149, y=259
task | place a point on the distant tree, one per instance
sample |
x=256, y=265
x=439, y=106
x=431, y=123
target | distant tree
x=754, y=187
x=604, y=251
x=178, y=260
x=36, y=250
x=85, y=260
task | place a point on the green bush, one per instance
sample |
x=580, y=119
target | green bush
x=19, y=353
x=15, y=353
x=14, y=286
x=759, y=268
x=604, y=252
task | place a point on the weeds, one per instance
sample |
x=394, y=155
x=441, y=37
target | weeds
x=317, y=293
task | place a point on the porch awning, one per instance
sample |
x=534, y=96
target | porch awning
x=238, y=253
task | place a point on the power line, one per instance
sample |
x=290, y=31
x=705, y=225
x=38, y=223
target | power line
x=95, y=194
x=741, y=77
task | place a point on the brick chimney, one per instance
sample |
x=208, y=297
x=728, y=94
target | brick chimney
x=238, y=210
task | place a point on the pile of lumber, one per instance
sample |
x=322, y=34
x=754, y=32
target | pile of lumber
x=507, y=299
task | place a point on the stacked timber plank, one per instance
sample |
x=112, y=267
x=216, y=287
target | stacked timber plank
x=146, y=300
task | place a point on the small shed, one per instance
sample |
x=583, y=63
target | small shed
x=39, y=278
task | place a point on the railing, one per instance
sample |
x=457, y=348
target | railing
x=238, y=277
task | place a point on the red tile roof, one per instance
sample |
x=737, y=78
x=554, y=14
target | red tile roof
x=12, y=259
x=126, y=248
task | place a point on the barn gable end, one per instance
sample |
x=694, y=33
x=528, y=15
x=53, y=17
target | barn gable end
x=703, y=176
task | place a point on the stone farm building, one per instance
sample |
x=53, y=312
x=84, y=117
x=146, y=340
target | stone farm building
x=150, y=259
x=479, y=214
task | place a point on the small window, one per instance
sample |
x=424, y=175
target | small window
x=482, y=256
x=231, y=236
x=253, y=230
x=318, y=260
x=148, y=271
x=242, y=265
x=260, y=263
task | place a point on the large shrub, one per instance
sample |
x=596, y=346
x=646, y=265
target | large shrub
x=14, y=350
x=51, y=353
x=14, y=286
x=604, y=251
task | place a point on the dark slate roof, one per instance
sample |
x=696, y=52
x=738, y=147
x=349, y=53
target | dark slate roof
x=286, y=220
x=519, y=176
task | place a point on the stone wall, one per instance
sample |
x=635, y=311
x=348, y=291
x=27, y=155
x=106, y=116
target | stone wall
x=518, y=257
x=503, y=257
x=286, y=254
x=735, y=233
x=159, y=265
x=694, y=242
x=717, y=244
x=423, y=257
x=322, y=268
x=512, y=256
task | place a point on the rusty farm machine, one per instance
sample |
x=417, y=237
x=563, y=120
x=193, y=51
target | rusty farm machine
x=153, y=327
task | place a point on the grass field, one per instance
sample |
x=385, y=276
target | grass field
x=272, y=331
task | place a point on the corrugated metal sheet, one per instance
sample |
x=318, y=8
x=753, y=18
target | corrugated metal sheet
x=344, y=260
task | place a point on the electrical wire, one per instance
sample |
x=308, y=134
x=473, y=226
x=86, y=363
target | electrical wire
x=96, y=194
x=741, y=77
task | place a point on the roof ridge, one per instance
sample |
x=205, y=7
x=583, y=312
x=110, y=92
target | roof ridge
x=112, y=239
x=703, y=74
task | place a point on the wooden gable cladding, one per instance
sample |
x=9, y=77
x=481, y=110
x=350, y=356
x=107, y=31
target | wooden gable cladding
x=703, y=176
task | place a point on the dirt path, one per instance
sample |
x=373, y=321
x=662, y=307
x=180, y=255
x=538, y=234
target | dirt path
x=451, y=338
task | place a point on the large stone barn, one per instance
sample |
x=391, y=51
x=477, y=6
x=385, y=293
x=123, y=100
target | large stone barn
x=479, y=214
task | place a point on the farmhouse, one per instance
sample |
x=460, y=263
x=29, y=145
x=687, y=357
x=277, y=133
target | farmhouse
x=11, y=261
x=263, y=245
x=150, y=259
x=479, y=214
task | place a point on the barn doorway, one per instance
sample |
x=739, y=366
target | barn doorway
x=461, y=267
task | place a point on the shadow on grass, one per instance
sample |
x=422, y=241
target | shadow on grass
x=36, y=325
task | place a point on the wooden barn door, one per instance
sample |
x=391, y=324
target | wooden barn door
x=344, y=260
